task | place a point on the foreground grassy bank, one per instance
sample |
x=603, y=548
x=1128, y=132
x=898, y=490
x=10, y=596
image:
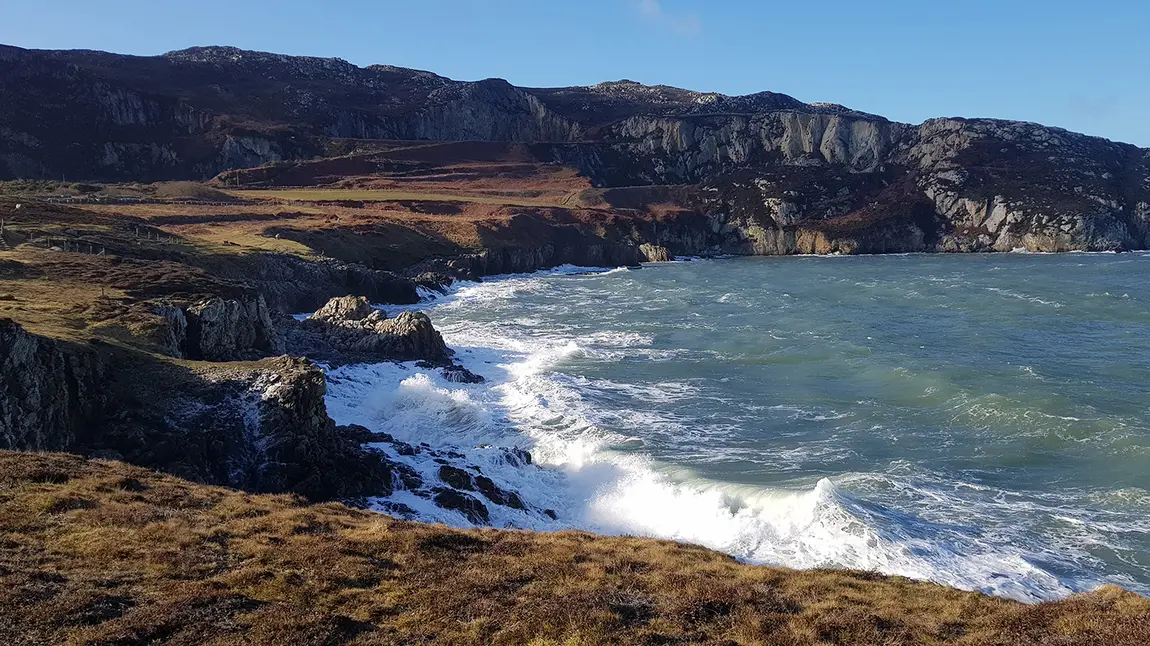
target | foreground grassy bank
x=95, y=552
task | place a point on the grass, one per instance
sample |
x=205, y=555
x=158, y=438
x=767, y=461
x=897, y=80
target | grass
x=384, y=195
x=98, y=552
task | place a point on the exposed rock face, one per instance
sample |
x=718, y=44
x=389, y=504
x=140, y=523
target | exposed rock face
x=51, y=393
x=774, y=175
x=262, y=428
x=221, y=329
x=532, y=257
x=292, y=284
x=349, y=330
x=344, y=309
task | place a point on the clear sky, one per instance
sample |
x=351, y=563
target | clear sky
x=1078, y=64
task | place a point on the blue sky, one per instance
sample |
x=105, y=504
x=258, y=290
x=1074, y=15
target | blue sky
x=1082, y=65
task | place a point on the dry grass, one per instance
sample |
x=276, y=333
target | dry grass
x=384, y=195
x=103, y=553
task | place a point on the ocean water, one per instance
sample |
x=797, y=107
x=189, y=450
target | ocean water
x=980, y=421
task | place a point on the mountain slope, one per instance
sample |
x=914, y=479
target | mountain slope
x=783, y=175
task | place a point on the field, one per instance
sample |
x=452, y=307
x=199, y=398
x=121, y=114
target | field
x=103, y=553
x=384, y=195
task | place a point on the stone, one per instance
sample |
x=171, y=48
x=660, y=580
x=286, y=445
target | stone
x=348, y=330
x=456, y=477
x=220, y=329
x=460, y=375
x=173, y=336
x=655, y=253
x=487, y=487
x=468, y=505
x=344, y=309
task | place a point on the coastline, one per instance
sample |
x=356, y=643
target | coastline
x=470, y=403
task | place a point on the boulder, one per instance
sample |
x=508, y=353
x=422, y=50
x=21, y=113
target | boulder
x=348, y=330
x=344, y=309
x=459, y=375
x=465, y=504
x=655, y=253
x=456, y=477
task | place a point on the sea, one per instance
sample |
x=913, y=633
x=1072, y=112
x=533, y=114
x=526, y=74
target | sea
x=977, y=420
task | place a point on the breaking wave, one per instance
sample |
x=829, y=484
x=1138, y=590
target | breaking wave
x=592, y=470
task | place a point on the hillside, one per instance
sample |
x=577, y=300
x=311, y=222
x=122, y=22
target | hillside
x=99, y=552
x=771, y=166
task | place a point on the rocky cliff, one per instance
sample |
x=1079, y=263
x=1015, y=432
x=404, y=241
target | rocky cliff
x=774, y=174
x=260, y=427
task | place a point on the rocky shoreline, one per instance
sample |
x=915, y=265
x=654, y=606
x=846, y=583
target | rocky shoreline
x=230, y=412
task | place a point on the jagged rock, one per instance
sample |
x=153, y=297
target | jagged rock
x=460, y=375
x=363, y=435
x=655, y=253
x=344, y=309
x=173, y=336
x=262, y=427
x=399, y=509
x=220, y=329
x=456, y=477
x=496, y=495
x=461, y=479
x=271, y=429
x=519, y=454
x=349, y=330
x=467, y=505
x=51, y=393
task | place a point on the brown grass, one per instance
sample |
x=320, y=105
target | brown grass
x=98, y=552
x=385, y=195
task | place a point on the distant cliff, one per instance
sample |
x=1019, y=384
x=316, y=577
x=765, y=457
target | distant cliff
x=774, y=174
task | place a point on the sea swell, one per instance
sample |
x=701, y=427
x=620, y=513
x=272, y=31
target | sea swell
x=593, y=471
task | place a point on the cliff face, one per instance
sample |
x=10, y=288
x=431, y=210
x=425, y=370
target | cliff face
x=51, y=393
x=261, y=427
x=776, y=175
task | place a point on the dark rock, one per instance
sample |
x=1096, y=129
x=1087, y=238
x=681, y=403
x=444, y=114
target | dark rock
x=364, y=435
x=550, y=513
x=468, y=505
x=221, y=329
x=460, y=375
x=520, y=455
x=399, y=509
x=52, y=393
x=261, y=427
x=456, y=477
x=349, y=330
x=496, y=495
x=407, y=477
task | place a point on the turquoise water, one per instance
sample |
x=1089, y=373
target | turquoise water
x=977, y=420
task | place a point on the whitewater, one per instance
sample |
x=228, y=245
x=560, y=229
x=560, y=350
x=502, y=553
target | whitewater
x=977, y=421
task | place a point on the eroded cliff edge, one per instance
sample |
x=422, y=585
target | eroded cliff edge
x=773, y=174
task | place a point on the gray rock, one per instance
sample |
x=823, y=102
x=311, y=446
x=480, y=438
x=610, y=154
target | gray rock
x=344, y=309
x=221, y=329
x=348, y=330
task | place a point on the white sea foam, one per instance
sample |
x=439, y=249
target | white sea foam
x=600, y=479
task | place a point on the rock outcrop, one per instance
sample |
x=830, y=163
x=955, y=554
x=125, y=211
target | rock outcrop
x=51, y=392
x=293, y=284
x=773, y=174
x=221, y=329
x=349, y=330
x=261, y=427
